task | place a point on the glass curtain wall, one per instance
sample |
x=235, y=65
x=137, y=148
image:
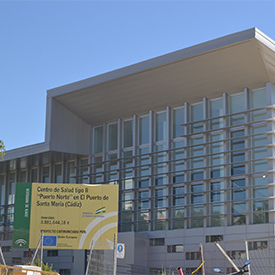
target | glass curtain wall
x=194, y=166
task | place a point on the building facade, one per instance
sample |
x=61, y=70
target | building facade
x=188, y=137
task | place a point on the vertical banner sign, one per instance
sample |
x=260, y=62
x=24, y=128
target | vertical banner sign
x=72, y=216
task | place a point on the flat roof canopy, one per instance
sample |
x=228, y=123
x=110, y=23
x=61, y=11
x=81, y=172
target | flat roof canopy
x=227, y=64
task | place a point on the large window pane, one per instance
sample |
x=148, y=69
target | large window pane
x=196, y=115
x=236, y=104
x=160, y=167
x=197, y=194
x=178, y=196
x=178, y=164
x=160, y=199
x=159, y=222
x=98, y=170
x=58, y=173
x=197, y=162
x=2, y=190
x=112, y=175
x=46, y=174
x=34, y=175
x=217, y=191
x=258, y=100
x=127, y=172
x=161, y=127
x=144, y=130
x=143, y=202
x=178, y=119
x=83, y=171
x=71, y=172
x=11, y=188
x=112, y=137
x=98, y=140
x=216, y=159
x=216, y=110
x=128, y=134
x=144, y=161
x=23, y=176
x=239, y=155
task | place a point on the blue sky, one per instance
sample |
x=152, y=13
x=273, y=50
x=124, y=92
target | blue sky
x=46, y=44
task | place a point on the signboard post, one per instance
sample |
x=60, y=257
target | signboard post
x=70, y=215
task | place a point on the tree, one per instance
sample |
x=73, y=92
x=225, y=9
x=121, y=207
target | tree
x=45, y=266
x=2, y=149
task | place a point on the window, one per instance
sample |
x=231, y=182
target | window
x=143, y=220
x=192, y=256
x=178, y=119
x=128, y=134
x=238, y=155
x=83, y=171
x=6, y=248
x=16, y=260
x=157, y=242
x=178, y=163
x=98, y=170
x=34, y=175
x=258, y=100
x=237, y=254
x=112, y=137
x=197, y=208
x=213, y=238
x=98, y=140
x=216, y=110
x=143, y=161
x=256, y=245
x=11, y=188
x=46, y=174
x=143, y=202
x=58, y=173
x=236, y=104
x=64, y=271
x=217, y=157
x=112, y=174
x=197, y=194
x=52, y=253
x=196, y=162
x=216, y=208
x=238, y=208
x=159, y=216
x=160, y=167
x=128, y=182
x=160, y=127
x=160, y=199
x=10, y=215
x=2, y=190
x=196, y=115
x=176, y=248
x=71, y=172
x=23, y=176
x=144, y=130
x=178, y=196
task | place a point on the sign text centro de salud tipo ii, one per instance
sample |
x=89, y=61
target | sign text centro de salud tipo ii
x=70, y=215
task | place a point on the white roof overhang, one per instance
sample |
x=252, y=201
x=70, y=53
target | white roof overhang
x=227, y=64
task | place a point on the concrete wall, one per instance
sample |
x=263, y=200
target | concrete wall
x=65, y=131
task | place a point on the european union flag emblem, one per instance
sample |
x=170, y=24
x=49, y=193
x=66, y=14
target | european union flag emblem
x=49, y=240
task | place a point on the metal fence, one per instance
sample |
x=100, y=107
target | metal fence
x=260, y=251
x=145, y=255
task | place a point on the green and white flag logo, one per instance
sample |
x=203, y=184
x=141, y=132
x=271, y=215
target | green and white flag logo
x=100, y=210
x=22, y=211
